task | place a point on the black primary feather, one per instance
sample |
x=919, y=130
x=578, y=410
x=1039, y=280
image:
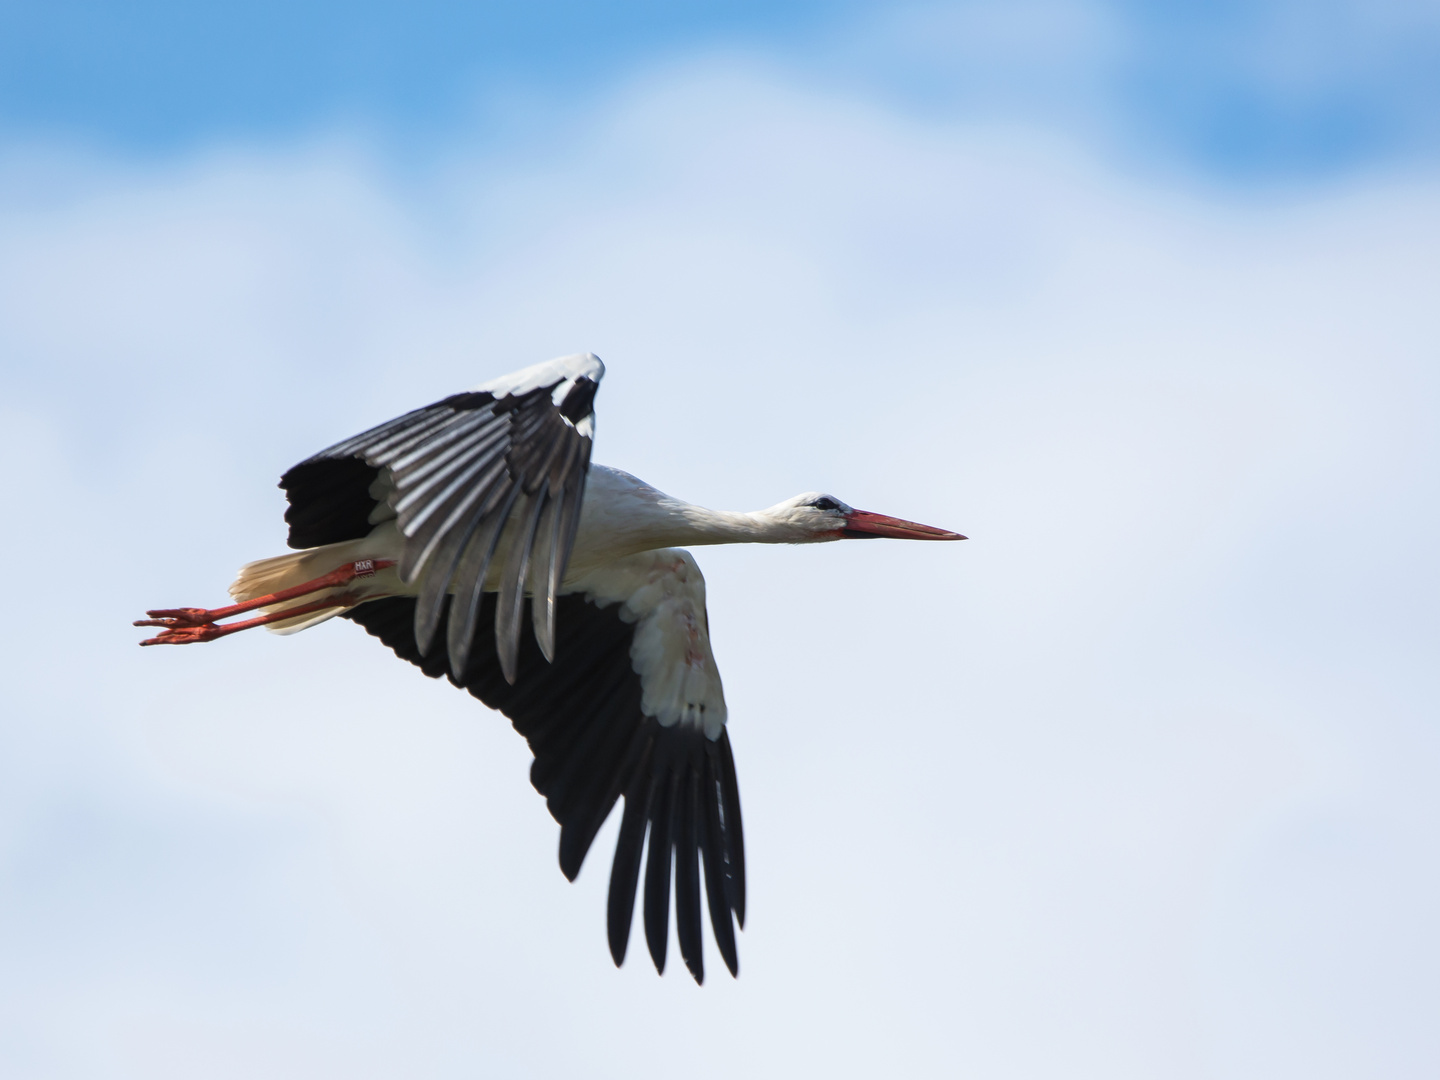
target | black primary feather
x=594, y=745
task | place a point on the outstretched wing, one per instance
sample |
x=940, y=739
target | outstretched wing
x=495, y=472
x=631, y=707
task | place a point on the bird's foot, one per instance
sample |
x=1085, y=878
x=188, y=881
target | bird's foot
x=179, y=616
x=185, y=626
x=181, y=628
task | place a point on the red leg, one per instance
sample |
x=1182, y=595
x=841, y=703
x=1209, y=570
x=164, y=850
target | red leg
x=185, y=633
x=182, y=626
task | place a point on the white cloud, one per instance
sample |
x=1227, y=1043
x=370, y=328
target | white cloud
x=1139, y=781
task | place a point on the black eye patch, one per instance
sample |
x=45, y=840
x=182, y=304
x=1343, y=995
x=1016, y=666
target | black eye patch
x=826, y=503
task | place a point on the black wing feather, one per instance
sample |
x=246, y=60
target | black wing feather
x=330, y=501
x=657, y=859
x=593, y=745
x=687, y=870
x=713, y=845
x=625, y=871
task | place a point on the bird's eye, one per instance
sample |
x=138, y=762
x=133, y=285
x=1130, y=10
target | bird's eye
x=826, y=503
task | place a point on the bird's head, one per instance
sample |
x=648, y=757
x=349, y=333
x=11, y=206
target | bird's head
x=814, y=517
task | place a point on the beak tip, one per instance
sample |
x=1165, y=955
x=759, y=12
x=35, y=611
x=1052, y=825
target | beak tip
x=863, y=523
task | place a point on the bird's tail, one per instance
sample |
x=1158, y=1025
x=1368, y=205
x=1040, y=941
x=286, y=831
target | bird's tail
x=265, y=576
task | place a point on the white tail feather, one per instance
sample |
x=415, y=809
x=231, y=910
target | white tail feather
x=280, y=572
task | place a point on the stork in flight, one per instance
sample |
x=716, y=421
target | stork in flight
x=430, y=531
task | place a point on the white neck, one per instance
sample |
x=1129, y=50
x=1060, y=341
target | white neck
x=622, y=516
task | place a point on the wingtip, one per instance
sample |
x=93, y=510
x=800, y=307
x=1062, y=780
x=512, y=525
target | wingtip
x=573, y=849
x=543, y=617
x=618, y=937
x=508, y=652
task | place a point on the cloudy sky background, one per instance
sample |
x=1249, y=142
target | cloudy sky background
x=1140, y=782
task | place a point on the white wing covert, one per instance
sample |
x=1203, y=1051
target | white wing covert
x=662, y=593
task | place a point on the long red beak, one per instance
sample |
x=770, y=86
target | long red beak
x=863, y=525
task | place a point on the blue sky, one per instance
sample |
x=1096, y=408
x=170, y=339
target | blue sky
x=1144, y=778
x=1248, y=90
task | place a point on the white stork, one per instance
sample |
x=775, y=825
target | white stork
x=449, y=517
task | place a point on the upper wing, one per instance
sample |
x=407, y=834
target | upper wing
x=631, y=706
x=507, y=459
